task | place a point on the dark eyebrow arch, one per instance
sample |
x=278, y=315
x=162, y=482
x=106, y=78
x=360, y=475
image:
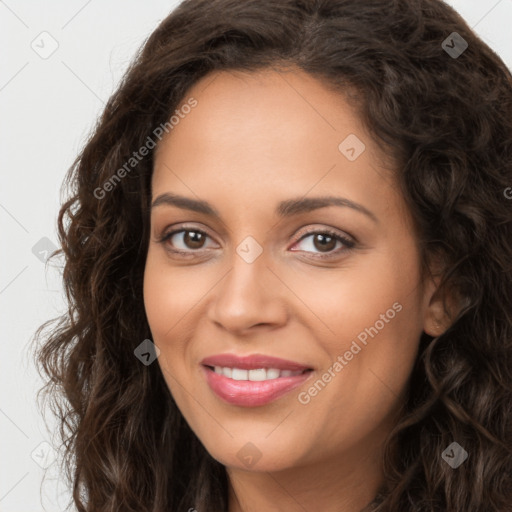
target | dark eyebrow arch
x=284, y=209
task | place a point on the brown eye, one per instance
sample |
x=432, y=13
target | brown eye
x=323, y=244
x=185, y=240
x=193, y=239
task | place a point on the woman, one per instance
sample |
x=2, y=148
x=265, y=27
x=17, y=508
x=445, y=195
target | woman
x=288, y=267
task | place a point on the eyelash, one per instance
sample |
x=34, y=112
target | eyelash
x=349, y=244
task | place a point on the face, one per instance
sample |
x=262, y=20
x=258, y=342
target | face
x=331, y=290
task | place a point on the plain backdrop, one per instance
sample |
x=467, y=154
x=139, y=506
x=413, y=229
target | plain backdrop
x=61, y=60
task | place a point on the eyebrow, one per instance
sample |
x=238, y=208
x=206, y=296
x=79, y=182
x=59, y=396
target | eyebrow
x=286, y=208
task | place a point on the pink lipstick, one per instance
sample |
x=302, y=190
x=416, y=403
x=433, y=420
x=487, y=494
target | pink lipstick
x=254, y=380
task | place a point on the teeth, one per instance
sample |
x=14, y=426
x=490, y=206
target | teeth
x=239, y=374
x=273, y=373
x=258, y=374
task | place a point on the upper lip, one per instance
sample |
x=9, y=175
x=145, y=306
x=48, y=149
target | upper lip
x=253, y=362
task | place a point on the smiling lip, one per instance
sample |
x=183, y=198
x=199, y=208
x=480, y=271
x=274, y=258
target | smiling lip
x=253, y=362
x=248, y=393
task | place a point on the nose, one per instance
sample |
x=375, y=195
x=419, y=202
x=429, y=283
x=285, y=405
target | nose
x=249, y=296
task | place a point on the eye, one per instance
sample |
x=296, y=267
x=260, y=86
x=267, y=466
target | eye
x=325, y=242
x=189, y=240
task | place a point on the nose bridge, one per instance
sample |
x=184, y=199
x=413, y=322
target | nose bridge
x=244, y=280
x=249, y=250
x=244, y=297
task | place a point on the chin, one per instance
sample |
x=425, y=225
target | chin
x=258, y=456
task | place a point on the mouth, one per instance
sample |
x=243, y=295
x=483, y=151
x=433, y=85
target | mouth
x=255, y=375
x=252, y=381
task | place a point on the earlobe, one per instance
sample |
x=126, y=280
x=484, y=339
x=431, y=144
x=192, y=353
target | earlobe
x=438, y=312
x=435, y=322
x=441, y=309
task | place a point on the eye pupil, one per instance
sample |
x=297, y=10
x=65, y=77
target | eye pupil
x=323, y=238
x=196, y=241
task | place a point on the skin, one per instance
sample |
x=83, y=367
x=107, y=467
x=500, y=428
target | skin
x=253, y=140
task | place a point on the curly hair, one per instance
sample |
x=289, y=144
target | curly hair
x=446, y=123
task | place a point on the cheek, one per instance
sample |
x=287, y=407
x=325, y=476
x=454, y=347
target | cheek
x=364, y=388
x=167, y=301
x=353, y=297
x=170, y=294
x=371, y=317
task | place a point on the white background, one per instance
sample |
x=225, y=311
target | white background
x=47, y=107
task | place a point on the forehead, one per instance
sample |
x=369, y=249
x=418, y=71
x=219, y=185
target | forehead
x=261, y=133
x=264, y=109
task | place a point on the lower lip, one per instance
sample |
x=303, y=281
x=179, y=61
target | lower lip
x=247, y=393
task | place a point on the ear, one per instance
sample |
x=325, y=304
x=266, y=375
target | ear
x=441, y=306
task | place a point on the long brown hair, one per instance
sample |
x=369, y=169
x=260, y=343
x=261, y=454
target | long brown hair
x=441, y=111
